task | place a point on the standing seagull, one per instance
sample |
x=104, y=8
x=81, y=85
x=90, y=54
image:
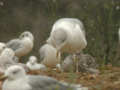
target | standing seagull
x=68, y=35
x=18, y=80
x=23, y=45
x=48, y=55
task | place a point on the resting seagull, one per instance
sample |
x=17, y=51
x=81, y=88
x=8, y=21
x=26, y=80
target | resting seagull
x=68, y=36
x=6, y=59
x=33, y=65
x=23, y=45
x=16, y=79
x=48, y=55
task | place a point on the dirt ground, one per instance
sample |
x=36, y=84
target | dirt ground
x=108, y=79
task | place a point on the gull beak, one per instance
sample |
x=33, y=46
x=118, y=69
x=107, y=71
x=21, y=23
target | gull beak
x=3, y=77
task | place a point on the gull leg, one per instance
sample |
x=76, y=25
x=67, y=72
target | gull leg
x=77, y=66
x=76, y=62
x=59, y=66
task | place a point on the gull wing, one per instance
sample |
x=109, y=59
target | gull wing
x=46, y=83
x=14, y=44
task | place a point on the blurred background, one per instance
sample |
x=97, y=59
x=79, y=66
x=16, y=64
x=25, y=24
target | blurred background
x=101, y=19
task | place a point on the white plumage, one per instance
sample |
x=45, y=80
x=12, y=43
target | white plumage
x=68, y=35
x=48, y=55
x=23, y=45
x=18, y=80
x=6, y=59
x=33, y=65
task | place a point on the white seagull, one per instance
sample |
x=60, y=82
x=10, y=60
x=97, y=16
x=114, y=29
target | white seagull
x=6, y=59
x=16, y=79
x=48, y=55
x=33, y=65
x=68, y=35
x=23, y=45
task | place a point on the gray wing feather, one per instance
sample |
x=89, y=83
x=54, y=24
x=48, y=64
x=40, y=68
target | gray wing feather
x=14, y=44
x=46, y=83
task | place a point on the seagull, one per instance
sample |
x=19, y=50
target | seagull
x=22, y=45
x=17, y=79
x=48, y=55
x=33, y=65
x=86, y=63
x=3, y=46
x=68, y=64
x=6, y=59
x=68, y=36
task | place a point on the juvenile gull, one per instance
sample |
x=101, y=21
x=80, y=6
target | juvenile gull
x=16, y=79
x=33, y=65
x=86, y=63
x=48, y=55
x=23, y=45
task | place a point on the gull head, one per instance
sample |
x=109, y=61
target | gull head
x=8, y=52
x=14, y=72
x=2, y=46
x=27, y=34
x=32, y=60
